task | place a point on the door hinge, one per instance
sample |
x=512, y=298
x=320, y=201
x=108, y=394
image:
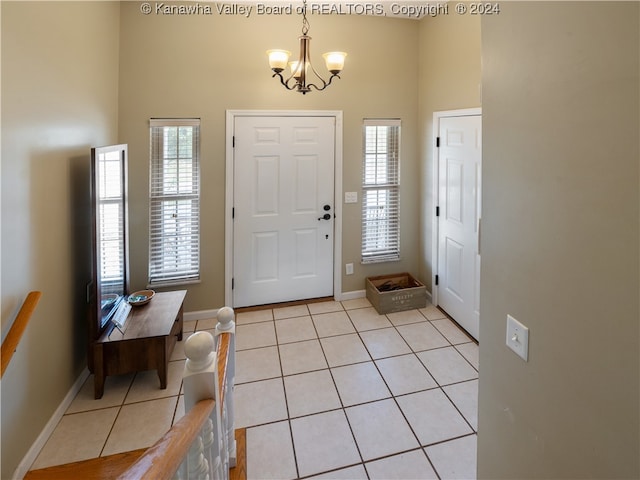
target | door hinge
x=437, y=211
x=233, y=141
x=437, y=142
x=233, y=212
x=437, y=280
x=233, y=283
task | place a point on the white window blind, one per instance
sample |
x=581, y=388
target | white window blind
x=381, y=191
x=174, y=237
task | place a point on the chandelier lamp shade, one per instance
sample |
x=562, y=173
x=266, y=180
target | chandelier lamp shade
x=303, y=74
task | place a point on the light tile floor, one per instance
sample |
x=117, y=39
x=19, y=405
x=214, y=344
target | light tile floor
x=325, y=390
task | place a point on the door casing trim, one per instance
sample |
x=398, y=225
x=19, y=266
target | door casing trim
x=229, y=193
x=465, y=112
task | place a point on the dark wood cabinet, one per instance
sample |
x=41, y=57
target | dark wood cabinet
x=146, y=343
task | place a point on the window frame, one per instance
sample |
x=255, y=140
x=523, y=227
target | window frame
x=381, y=179
x=180, y=262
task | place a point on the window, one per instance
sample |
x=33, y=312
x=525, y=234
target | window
x=174, y=205
x=381, y=191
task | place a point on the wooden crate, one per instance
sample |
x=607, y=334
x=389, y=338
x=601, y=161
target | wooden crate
x=408, y=294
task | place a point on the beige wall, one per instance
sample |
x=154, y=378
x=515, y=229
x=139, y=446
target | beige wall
x=200, y=66
x=80, y=74
x=449, y=79
x=560, y=237
x=59, y=97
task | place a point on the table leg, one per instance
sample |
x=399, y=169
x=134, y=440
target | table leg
x=98, y=371
x=162, y=361
x=180, y=322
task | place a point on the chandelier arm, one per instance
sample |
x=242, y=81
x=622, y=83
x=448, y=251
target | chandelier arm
x=325, y=84
x=283, y=82
x=317, y=75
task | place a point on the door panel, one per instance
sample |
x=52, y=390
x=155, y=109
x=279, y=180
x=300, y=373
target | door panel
x=266, y=186
x=460, y=160
x=454, y=186
x=265, y=256
x=306, y=249
x=454, y=253
x=283, y=248
x=306, y=184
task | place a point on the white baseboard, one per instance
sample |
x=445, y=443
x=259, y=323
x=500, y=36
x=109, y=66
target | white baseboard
x=200, y=315
x=351, y=295
x=37, y=446
x=40, y=442
x=213, y=313
x=48, y=429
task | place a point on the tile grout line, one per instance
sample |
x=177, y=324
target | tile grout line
x=395, y=401
x=372, y=360
x=343, y=409
x=423, y=448
x=106, y=440
x=286, y=401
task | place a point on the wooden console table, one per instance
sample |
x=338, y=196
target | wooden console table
x=150, y=334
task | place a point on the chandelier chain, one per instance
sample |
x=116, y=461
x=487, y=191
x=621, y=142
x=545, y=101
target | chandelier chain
x=305, y=22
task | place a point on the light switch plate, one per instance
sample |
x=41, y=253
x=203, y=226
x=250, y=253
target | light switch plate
x=518, y=338
x=350, y=197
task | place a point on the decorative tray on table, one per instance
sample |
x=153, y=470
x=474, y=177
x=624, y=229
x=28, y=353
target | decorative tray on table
x=141, y=297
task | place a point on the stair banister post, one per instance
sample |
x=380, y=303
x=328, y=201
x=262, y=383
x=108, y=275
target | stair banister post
x=200, y=379
x=226, y=324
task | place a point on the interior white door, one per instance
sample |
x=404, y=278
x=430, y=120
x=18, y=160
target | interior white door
x=460, y=182
x=283, y=221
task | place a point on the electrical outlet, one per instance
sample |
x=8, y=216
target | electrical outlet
x=518, y=338
x=349, y=268
x=350, y=197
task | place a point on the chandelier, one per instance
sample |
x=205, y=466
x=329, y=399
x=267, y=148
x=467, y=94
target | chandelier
x=301, y=77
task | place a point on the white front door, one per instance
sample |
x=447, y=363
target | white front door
x=283, y=221
x=459, y=170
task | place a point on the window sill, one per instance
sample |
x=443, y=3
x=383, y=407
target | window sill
x=379, y=260
x=173, y=283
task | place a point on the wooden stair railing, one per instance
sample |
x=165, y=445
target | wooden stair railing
x=163, y=460
x=10, y=343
